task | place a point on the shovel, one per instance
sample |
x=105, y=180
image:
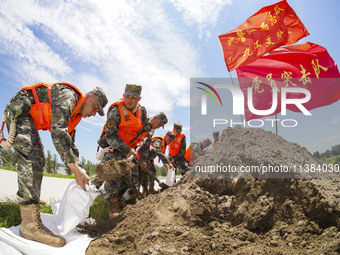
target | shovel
x=161, y=184
x=113, y=169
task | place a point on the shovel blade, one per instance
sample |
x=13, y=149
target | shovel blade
x=163, y=186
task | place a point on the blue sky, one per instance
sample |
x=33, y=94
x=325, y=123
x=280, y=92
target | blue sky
x=158, y=44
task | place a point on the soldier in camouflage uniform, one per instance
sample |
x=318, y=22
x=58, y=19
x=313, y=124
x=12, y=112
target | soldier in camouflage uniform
x=120, y=115
x=177, y=150
x=205, y=145
x=216, y=135
x=157, y=149
x=63, y=99
x=156, y=122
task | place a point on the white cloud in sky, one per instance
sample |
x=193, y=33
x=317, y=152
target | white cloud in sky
x=203, y=13
x=120, y=42
x=335, y=120
x=107, y=44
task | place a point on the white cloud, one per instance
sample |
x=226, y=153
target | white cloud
x=101, y=43
x=202, y=13
x=335, y=120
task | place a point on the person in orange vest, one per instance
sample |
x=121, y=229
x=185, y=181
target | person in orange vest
x=177, y=150
x=216, y=135
x=56, y=107
x=125, y=119
x=158, y=148
x=192, y=152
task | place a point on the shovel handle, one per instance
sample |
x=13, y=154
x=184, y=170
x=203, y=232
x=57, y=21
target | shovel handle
x=138, y=148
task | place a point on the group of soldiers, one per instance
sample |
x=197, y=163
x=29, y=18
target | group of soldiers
x=196, y=149
x=59, y=107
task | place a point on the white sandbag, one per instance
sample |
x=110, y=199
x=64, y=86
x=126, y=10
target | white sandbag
x=16, y=245
x=170, y=178
x=8, y=250
x=74, y=207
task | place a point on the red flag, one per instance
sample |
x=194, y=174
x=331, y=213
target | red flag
x=305, y=66
x=271, y=27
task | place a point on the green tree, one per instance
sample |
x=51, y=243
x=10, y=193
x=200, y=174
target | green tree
x=54, y=164
x=9, y=157
x=316, y=154
x=161, y=171
x=68, y=170
x=90, y=168
x=327, y=153
x=83, y=162
x=48, y=163
x=335, y=150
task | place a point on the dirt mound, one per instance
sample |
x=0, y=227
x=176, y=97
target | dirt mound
x=236, y=216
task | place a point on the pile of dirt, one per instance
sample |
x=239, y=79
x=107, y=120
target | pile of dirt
x=238, y=216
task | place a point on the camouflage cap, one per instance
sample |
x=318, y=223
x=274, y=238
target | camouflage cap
x=178, y=126
x=133, y=90
x=216, y=134
x=102, y=99
x=171, y=135
x=163, y=118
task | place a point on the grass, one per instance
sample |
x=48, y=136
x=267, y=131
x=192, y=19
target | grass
x=10, y=212
x=331, y=160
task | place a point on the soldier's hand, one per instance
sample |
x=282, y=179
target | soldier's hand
x=169, y=166
x=132, y=152
x=80, y=175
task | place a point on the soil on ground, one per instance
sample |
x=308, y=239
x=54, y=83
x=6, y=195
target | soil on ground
x=213, y=214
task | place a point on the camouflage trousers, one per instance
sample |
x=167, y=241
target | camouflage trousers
x=182, y=165
x=31, y=159
x=119, y=186
x=145, y=179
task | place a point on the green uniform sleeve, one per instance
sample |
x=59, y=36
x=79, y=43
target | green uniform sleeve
x=63, y=102
x=157, y=146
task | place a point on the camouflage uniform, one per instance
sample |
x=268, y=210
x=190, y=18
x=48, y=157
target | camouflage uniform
x=154, y=151
x=179, y=160
x=216, y=135
x=28, y=143
x=120, y=151
x=195, y=149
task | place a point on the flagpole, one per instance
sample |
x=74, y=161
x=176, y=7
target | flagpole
x=234, y=85
x=276, y=122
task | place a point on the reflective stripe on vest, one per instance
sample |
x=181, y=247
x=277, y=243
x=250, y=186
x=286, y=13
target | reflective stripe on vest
x=175, y=146
x=41, y=111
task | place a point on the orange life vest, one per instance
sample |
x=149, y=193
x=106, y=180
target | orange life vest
x=129, y=124
x=163, y=145
x=175, y=145
x=41, y=111
x=189, y=154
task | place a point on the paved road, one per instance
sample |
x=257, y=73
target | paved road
x=52, y=188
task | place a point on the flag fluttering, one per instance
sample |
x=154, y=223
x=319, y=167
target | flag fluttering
x=306, y=66
x=271, y=27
